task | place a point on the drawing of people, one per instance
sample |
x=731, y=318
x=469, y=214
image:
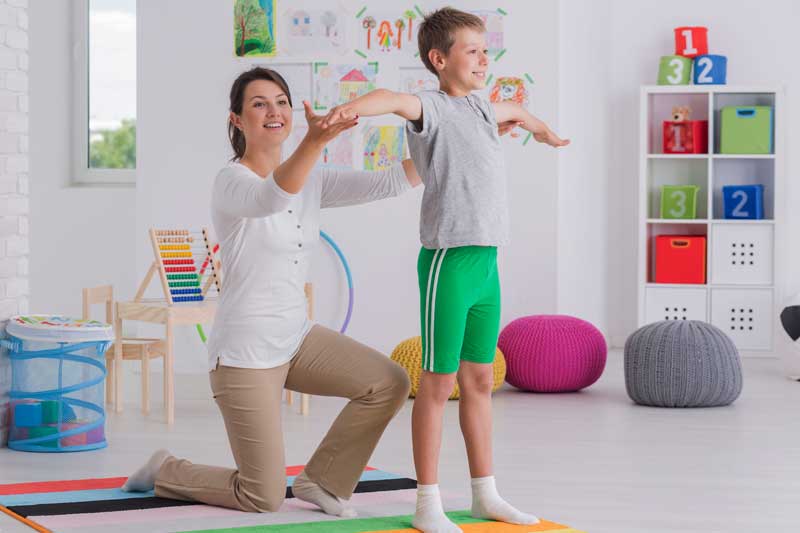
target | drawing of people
x=385, y=35
x=301, y=23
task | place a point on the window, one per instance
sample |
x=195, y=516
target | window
x=104, y=148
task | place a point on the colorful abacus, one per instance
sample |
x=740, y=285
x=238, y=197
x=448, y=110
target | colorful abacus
x=184, y=260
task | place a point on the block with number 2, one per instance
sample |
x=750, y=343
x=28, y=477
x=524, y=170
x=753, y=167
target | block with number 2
x=710, y=69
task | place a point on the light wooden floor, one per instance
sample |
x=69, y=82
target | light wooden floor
x=592, y=460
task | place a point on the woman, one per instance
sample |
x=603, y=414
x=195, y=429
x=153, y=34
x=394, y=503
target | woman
x=266, y=216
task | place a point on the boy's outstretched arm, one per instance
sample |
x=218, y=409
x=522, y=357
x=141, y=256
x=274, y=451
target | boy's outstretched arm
x=377, y=102
x=510, y=111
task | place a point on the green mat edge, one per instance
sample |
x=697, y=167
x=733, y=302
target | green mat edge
x=354, y=525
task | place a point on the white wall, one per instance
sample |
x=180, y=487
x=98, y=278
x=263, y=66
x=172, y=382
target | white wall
x=85, y=236
x=13, y=180
x=608, y=49
x=80, y=236
x=184, y=79
x=583, y=169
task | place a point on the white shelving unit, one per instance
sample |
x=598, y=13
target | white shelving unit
x=741, y=293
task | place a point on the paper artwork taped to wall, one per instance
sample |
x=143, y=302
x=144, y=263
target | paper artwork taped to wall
x=413, y=80
x=383, y=146
x=305, y=30
x=338, y=84
x=254, y=28
x=388, y=31
x=493, y=20
x=298, y=78
x=511, y=89
x=337, y=154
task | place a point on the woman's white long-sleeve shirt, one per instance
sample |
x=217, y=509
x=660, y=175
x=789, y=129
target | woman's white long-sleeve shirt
x=266, y=237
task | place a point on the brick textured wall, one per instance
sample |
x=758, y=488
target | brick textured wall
x=13, y=178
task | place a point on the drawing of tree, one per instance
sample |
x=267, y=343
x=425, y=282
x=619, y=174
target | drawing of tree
x=368, y=24
x=329, y=21
x=247, y=18
x=400, y=25
x=411, y=16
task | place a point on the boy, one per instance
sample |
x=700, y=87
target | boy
x=455, y=146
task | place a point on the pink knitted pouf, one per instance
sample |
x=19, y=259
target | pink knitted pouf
x=552, y=353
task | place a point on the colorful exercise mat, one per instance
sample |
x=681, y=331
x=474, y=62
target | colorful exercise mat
x=382, y=500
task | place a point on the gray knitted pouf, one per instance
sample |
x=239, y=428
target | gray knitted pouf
x=682, y=364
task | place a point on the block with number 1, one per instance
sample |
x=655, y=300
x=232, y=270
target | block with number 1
x=691, y=41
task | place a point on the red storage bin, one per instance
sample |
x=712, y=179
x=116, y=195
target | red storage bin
x=686, y=137
x=680, y=259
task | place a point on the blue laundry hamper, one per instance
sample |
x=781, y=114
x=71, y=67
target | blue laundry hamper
x=57, y=374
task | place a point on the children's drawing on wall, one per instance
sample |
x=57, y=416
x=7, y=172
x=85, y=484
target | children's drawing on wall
x=306, y=30
x=339, y=152
x=298, y=78
x=413, y=80
x=511, y=89
x=388, y=31
x=383, y=146
x=254, y=28
x=338, y=84
x=493, y=20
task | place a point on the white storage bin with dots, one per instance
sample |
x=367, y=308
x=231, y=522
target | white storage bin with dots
x=745, y=315
x=675, y=304
x=741, y=254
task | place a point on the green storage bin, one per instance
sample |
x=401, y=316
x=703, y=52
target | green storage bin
x=679, y=201
x=746, y=130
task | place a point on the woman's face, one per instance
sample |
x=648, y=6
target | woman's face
x=266, y=118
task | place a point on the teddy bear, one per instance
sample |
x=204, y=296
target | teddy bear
x=681, y=113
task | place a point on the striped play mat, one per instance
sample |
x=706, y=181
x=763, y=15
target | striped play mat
x=382, y=501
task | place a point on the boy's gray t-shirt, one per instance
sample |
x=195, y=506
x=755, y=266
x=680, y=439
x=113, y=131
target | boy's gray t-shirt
x=457, y=153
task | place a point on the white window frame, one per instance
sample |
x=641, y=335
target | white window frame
x=82, y=174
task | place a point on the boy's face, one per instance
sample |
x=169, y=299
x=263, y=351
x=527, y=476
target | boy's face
x=465, y=66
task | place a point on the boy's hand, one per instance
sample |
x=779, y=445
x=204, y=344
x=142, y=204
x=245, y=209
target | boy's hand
x=505, y=127
x=550, y=138
x=340, y=113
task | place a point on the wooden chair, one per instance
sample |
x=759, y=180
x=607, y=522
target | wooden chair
x=132, y=348
x=304, y=398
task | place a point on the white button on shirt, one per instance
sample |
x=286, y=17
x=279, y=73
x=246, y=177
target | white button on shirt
x=266, y=239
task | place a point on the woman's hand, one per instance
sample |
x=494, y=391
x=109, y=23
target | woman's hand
x=339, y=114
x=319, y=132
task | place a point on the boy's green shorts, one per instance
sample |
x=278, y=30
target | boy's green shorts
x=459, y=306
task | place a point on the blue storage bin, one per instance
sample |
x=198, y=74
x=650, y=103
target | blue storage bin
x=743, y=201
x=57, y=377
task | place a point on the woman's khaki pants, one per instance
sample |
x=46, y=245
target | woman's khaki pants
x=327, y=364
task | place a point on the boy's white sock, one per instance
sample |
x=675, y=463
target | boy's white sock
x=430, y=517
x=308, y=491
x=144, y=479
x=487, y=503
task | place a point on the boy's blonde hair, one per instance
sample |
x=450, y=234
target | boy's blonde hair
x=437, y=29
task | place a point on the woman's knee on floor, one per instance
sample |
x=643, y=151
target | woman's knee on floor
x=263, y=497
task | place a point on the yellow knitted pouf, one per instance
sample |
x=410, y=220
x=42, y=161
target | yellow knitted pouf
x=408, y=354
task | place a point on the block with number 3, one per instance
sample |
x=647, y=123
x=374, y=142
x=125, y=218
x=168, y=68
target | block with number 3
x=674, y=70
x=691, y=41
x=710, y=69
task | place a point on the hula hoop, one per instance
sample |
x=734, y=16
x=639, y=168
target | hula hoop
x=346, y=267
x=350, y=292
